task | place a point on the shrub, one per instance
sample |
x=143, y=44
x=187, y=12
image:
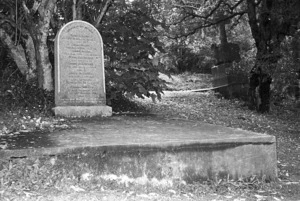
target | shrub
x=133, y=80
x=130, y=40
x=16, y=92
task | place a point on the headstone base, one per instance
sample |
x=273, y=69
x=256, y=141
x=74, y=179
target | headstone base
x=83, y=111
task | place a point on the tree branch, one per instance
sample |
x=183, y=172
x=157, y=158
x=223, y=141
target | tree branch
x=234, y=6
x=197, y=16
x=16, y=51
x=5, y=19
x=253, y=20
x=27, y=11
x=186, y=6
x=205, y=25
x=103, y=11
x=12, y=23
x=35, y=6
x=194, y=15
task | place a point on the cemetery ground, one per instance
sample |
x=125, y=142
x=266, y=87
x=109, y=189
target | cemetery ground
x=51, y=178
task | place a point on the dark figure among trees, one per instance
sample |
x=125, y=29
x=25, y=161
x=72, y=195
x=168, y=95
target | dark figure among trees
x=259, y=90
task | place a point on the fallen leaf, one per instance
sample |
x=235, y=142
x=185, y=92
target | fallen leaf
x=53, y=161
x=77, y=189
x=3, y=145
x=172, y=191
x=86, y=176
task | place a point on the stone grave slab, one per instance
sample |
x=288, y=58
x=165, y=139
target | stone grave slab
x=156, y=148
x=79, y=71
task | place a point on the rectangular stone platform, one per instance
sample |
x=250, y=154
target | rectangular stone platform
x=159, y=149
x=83, y=111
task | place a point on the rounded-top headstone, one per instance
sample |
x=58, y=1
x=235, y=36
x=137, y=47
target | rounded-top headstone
x=79, y=69
x=79, y=65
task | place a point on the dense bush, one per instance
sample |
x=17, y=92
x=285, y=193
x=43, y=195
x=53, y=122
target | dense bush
x=130, y=40
x=135, y=79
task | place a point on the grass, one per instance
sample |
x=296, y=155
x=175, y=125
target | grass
x=55, y=178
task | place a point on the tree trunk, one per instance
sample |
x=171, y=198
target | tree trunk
x=79, y=10
x=259, y=88
x=39, y=32
x=44, y=71
x=31, y=57
x=19, y=56
x=74, y=13
x=16, y=51
x=270, y=22
x=260, y=77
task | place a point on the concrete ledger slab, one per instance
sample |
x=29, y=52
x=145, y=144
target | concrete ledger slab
x=83, y=111
x=146, y=149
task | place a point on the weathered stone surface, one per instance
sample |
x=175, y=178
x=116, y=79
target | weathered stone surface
x=83, y=111
x=159, y=149
x=79, y=68
x=219, y=75
x=226, y=53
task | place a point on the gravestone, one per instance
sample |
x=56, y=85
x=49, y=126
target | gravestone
x=220, y=76
x=226, y=53
x=79, y=72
